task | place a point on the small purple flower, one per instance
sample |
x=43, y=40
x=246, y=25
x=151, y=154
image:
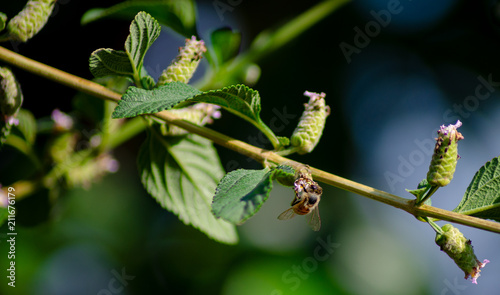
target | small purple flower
x=4, y=201
x=107, y=163
x=95, y=140
x=211, y=112
x=11, y=120
x=476, y=270
x=445, y=130
x=314, y=95
x=62, y=120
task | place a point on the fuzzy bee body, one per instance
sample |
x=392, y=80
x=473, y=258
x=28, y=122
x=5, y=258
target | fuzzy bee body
x=306, y=200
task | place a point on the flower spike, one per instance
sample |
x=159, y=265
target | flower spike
x=460, y=249
x=311, y=124
x=444, y=159
x=29, y=21
x=183, y=67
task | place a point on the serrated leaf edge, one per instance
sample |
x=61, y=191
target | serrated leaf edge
x=469, y=192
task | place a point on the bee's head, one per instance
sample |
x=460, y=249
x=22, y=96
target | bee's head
x=315, y=189
x=313, y=199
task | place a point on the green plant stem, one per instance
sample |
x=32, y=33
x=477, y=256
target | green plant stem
x=258, y=154
x=128, y=130
x=287, y=151
x=269, y=41
x=427, y=195
x=434, y=226
x=269, y=134
x=107, y=126
x=57, y=75
x=262, y=128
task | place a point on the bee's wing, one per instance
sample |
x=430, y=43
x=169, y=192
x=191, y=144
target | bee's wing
x=287, y=214
x=314, y=220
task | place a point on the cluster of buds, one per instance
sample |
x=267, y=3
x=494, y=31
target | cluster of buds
x=184, y=65
x=199, y=114
x=91, y=170
x=444, y=159
x=460, y=249
x=11, y=99
x=29, y=21
x=11, y=96
x=306, y=135
x=182, y=69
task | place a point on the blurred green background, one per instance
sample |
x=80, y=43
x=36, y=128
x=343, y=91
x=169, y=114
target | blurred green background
x=417, y=72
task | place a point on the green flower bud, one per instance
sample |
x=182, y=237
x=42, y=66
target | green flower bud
x=11, y=96
x=311, y=124
x=11, y=99
x=3, y=20
x=183, y=67
x=30, y=20
x=90, y=170
x=199, y=114
x=444, y=159
x=460, y=249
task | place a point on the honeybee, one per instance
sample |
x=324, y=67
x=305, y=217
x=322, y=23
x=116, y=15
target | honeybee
x=307, y=197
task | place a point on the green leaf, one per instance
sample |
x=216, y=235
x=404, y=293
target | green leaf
x=144, y=31
x=422, y=188
x=242, y=101
x=181, y=173
x=178, y=15
x=238, y=99
x=241, y=193
x=482, y=197
x=284, y=174
x=137, y=101
x=4, y=213
x=27, y=125
x=105, y=62
x=225, y=44
x=284, y=141
x=148, y=82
